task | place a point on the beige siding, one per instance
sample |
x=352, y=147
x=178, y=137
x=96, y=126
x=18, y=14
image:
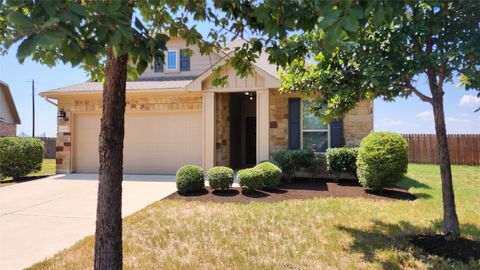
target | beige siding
x=235, y=82
x=198, y=63
x=5, y=109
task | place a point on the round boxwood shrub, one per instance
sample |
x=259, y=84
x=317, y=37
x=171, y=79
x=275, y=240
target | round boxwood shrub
x=190, y=178
x=250, y=179
x=220, y=177
x=382, y=160
x=271, y=174
x=20, y=156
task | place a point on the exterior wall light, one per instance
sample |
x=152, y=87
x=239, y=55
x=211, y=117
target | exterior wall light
x=62, y=116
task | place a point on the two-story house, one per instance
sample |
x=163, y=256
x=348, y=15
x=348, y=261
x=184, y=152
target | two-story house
x=175, y=116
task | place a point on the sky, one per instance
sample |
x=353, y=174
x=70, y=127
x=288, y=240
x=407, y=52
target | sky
x=403, y=115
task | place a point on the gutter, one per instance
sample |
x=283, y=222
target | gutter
x=50, y=101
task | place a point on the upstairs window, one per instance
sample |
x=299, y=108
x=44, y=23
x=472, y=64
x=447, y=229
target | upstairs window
x=175, y=60
x=172, y=64
x=315, y=134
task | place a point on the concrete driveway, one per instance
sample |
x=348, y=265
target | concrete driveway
x=41, y=217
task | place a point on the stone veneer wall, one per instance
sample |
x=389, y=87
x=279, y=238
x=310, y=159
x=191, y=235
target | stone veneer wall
x=278, y=104
x=222, y=129
x=8, y=129
x=151, y=103
x=357, y=123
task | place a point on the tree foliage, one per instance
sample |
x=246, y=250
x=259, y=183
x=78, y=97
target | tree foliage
x=435, y=38
x=77, y=32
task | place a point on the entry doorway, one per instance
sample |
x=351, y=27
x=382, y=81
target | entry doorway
x=243, y=129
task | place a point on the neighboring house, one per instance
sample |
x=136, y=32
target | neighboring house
x=175, y=116
x=9, y=118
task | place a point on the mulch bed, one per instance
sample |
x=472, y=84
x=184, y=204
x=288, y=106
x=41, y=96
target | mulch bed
x=298, y=189
x=460, y=250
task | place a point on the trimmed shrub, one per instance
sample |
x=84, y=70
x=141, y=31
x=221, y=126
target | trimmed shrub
x=271, y=174
x=283, y=159
x=382, y=160
x=190, y=178
x=220, y=177
x=291, y=161
x=20, y=156
x=250, y=179
x=342, y=160
x=317, y=165
x=302, y=158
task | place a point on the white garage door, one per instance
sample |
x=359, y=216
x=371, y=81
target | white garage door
x=154, y=143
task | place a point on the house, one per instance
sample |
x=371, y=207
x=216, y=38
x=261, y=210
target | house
x=176, y=116
x=9, y=118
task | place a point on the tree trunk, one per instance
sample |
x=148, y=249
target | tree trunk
x=450, y=219
x=108, y=234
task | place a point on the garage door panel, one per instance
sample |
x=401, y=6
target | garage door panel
x=154, y=143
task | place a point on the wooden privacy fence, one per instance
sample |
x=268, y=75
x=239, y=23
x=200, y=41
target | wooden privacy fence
x=50, y=144
x=464, y=148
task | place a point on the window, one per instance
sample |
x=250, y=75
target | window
x=172, y=60
x=315, y=134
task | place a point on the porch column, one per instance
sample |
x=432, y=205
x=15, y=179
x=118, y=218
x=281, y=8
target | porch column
x=208, y=130
x=263, y=125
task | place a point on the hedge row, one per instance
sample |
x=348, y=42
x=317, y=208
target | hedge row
x=379, y=162
x=190, y=178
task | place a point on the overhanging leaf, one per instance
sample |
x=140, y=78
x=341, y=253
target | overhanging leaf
x=332, y=34
x=26, y=48
x=20, y=20
x=49, y=39
x=350, y=24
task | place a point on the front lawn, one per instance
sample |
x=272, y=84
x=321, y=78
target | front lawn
x=48, y=168
x=321, y=233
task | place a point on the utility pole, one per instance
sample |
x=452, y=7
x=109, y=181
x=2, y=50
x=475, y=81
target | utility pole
x=33, y=108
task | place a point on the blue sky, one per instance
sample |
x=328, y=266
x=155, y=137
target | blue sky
x=403, y=115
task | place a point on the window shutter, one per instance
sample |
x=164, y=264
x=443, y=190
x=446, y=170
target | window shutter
x=294, y=132
x=157, y=65
x=184, y=60
x=336, y=134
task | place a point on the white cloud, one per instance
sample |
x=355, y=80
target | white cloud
x=426, y=115
x=469, y=101
x=450, y=119
x=392, y=123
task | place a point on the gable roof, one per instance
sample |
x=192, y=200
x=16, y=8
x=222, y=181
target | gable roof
x=261, y=62
x=174, y=83
x=261, y=65
x=11, y=104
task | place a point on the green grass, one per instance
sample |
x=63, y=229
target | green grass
x=323, y=233
x=48, y=168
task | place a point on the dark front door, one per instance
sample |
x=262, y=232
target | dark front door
x=250, y=140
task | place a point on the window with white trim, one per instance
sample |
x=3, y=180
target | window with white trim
x=315, y=134
x=172, y=61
